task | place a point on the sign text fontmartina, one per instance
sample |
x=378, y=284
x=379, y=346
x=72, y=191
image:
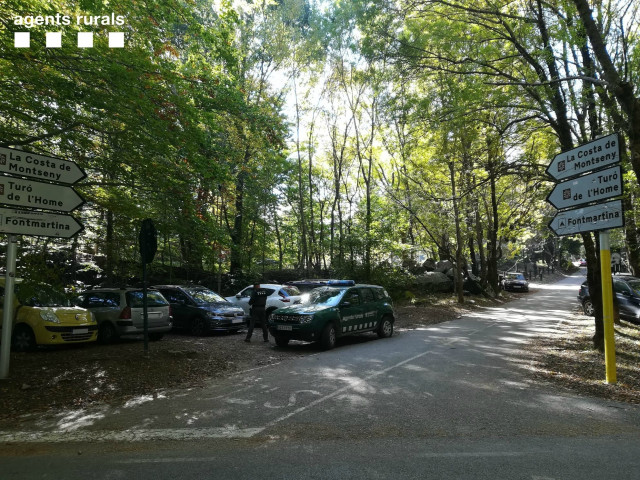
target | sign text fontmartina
x=603, y=216
x=593, y=155
x=25, y=222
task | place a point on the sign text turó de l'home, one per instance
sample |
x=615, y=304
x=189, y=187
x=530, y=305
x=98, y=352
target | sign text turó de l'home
x=593, y=187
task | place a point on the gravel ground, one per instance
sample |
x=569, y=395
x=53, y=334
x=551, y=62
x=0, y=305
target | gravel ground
x=82, y=375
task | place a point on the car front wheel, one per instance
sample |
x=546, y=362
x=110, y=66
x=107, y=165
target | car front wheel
x=588, y=308
x=198, y=327
x=281, y=341
x=385, y=329
x=328, y=340
x=23, y=339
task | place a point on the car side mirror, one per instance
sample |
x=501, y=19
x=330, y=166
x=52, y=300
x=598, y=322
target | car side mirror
x=238, y=296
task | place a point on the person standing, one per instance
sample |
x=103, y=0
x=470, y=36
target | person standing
x=258, y=303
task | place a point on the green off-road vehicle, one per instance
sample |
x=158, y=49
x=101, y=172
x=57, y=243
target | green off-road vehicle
x=339, y=309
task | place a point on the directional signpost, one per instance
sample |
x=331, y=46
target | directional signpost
x=38, y=224
x=594, y=155
x=603, y=216
x=592, y=174
x=44, y=187
x=594, y=187
x=33, y=194
x=31, y=165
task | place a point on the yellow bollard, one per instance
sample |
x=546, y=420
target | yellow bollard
x=607, y=309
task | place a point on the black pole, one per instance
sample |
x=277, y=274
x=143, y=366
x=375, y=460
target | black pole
x=144, y=309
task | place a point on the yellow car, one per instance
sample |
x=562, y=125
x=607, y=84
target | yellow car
x=44, y=316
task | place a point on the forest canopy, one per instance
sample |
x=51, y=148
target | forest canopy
x=331, y=138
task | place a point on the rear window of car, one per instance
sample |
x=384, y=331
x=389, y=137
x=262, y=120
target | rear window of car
x=154, y=299
x=289, y=291
x=203, y=296
x=98, y=299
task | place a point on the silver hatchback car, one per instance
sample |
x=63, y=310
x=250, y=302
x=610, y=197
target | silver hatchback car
x=119, y=312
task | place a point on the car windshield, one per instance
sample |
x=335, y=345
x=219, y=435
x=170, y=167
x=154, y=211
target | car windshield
x=40, y=295
x=154, y=299
x=326, y=296
x=202, y=296
x=515, y=276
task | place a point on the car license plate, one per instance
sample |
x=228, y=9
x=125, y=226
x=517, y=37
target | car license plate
x=237, y=320
x=285, y=327
x=80, y=331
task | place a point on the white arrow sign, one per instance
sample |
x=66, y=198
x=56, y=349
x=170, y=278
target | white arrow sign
x=31, y=165
x=587, y=219
x=18, y=192
x=24, y=222
x=589, y=188
x=597, y=154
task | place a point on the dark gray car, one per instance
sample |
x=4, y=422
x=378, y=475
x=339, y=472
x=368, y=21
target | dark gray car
x=626, y=297
x=200, y=310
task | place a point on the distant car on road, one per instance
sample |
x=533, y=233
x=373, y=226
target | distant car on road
x=333, y=312
x=119, y=312
x=626, y=295
x=515, y=282
x=279, y=296
x=200, y=310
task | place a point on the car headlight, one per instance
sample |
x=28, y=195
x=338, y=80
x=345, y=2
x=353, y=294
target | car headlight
x=306, y=319
x=212, y=314
x=49, y=316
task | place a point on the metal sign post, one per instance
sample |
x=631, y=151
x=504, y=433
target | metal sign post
x=7, y=313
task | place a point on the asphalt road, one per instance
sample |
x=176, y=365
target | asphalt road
x=456, y=400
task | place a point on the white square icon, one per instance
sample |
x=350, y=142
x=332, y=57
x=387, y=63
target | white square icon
x=22, y=39
x=116, y=39
x=85, y=39
x=54, y=40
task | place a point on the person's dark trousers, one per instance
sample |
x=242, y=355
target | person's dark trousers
x=258, y=315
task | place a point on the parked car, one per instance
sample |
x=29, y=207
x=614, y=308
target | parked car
x=515, y=282
x=45, y=316
x=626, y=298
x=279, y=296
x=119, y=312
x=201, y=310
x=333, y=312
x=585, y=299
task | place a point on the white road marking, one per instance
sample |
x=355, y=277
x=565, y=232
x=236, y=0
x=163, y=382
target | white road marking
x=229, y=432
